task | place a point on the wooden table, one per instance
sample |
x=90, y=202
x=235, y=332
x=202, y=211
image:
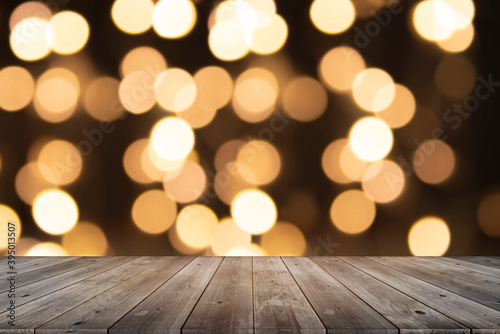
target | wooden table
x=253, y=295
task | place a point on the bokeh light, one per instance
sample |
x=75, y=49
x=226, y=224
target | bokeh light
x=172, y=138
x=434, y=161
x=401, y=110
x=47, y=249
x=187, y=184
x=373, y=89
x=228, y=40
x=488, y=215
x=30, y=181
x=27, y=10
x=371, y=139
x=284, y=239
x=55, y=211
x=143, y=58
x=332, y=16
x=269, y=39
x=330, y=161
x=339, y=67
x=136, y=92
x=231, y=180
x=63, y=160
x=29, y=39
x=247, y=250
x=227, y=235
x=154, y=212
x=434, y=20
x=254, y=211
x=68, y=32
x=174, y=18
x=102, y=101
x=305, y=99
x=8, y=215
x=383, y=181
x=86, y=239
x=195, y=225
x=17, y=88
x=133, y=16
x=459, y=40
x=352, y=212
x=214, y=87
x=226, y=153
x=175, y=89
x=429, y=236
x=261, y=159
x=132, y=159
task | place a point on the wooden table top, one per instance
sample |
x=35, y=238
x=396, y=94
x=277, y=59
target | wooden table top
x=252, y=295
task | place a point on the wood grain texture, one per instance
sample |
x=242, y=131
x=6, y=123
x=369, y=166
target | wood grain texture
x=226, y=305
x=403, y=311
x=279, y=305
x=489, y=261
x=469, y=313
x=166, y=309
x=490, y=271
x=338, y=308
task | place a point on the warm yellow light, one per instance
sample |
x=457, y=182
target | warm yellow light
x=305, y=99
x=30, y=182
x=459, y=41
x=488, y=215
x=55, y=211
x=373, y=89
x=464, y=11
x=228, y=40
x=136, y=92
x=68, y=32
x=63, y=160
x=261, y=159
x=229, y=181
x=47, y=249
x=429, y=236
x=187, y=184
x=383, y=181
x=330, y=161
x=434, y=20
x=284, y=239
x=339, y=67
x=16, y=88
x=351, y=165
x=197, y=116
x=172, y=138
x=154, y=212
x=247, y=250
x=174, y=18
x=227, y=235
x=86, y=239
x=254, y=211
x=102, y=101
x=371, y=139
x=259, y=13
x=29, y=39
x=226, y=153
x=195, y=225
x=8, y=215
x=215, y=87
x=143, y=58
x=175, y=89
x=27, y=10
x=352, y=212
x=433, y=161
x=332, y=16
x=401, y=110
x=133, y=16
x=271, y=38
x=132, y=161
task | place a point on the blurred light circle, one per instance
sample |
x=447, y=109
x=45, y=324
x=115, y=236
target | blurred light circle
x=226, y=153
x=247, y=250
x=172, y=167
x=133, y=16
x=373, y=89
x=17, y=88
x=254, y=211
x=23, y=245
x=136, y=92
x=330, y=161
x=351, y=165
x=8, y=215
x=305, y=99
x=401, y=110
x=29, y=9
x=383, y=181
x=188, y=184
x=215, y=87
x=339, y=67
x=434, y=20
x=30, y=181
x=143, y=58
x=464, y=12
x=284, y=239
x=488, y=215
x=175, y=89
x=55, y=211
x=262, y=159
x=198, y=116
x=228, y=40
x=132, y=161
x=154, y=212
x=195, y=225
x=455, y=77
x=29, y=39
x=271, y=38
x=459, y=41
x=68, y=32
x=260, y=15
x=433, y=161
x=352, y=212
x=47, y=249
x=227, y=235
x=371, y=139
x=332, y=16
x=102, y=101
x=63, y=160
x=229, y=181
x=86, y=239
x=174, y=18
x=172, y=138
x=429, y=236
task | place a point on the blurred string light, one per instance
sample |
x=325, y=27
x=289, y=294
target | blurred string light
x=305, y=99
x=429, y=236
x=55, y=211
x=228, y=235
x=17, y=88
x=332, y=16
x=247, y=250
x=30, y=182
x=47, y=249
x=153, y=212
x=86, y=239
x=8, y=215
x=352, y=212
x=101, y=99
x=63, y=160
x=254, y=211
x=488, y=214
x=195, y=225
x=434, y=161
x=284, y=239
x=371, y=139
x=261, y=159
x=133, y=16
x=175, y=89
x=339, y=67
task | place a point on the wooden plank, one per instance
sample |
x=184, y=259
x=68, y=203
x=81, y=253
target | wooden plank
x=37, y=264
x=39, y=311
x=458, y=272
x=403, y=311
x=101, y=312
x=166, y=309
x=480, y=318
x=23, y=278
x=338, y=308
x=469, y=265
x=226, y=304
x=473, y=291
x=43, y=287
x=488, y=261
x=279, y=304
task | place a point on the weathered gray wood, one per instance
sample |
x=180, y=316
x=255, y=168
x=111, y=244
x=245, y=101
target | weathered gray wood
x=404, y=312
x=36, y=264
x=489, y=261
x=469, y=265
x=226, y=304
x=23, y=278
x=458, y=272
x=102, y=311
x=339, y=309
x=46, y=286
x=473, y=291
x=166, y=309
x=39, y=311
x=278, y=302
x=471, y=314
